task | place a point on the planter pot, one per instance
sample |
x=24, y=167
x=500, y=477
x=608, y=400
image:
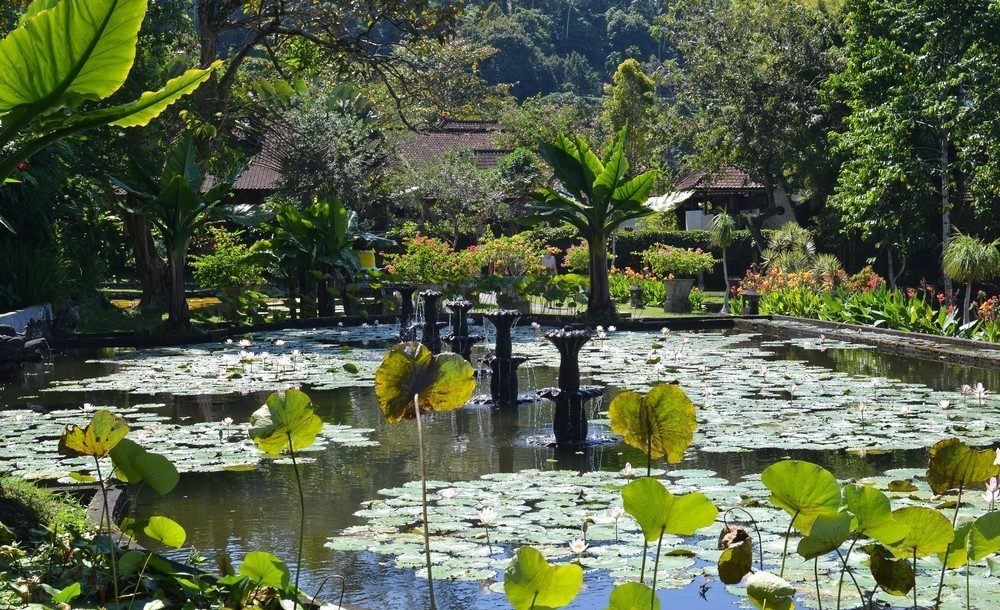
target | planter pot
x=637, y=299
x=751, y=303
x=678, y=292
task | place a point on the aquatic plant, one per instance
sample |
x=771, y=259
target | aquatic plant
x=661, y=422
x=287, y=422
x=411, y=379
x=530, y=582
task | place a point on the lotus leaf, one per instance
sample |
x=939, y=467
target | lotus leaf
x=285, y=421
x=736, y=560
x=958, y=549
x=803, y=489
x=129, y=562
x=135, y=464
x=656, y=510
x=954, y=465
x=984, y=539
x=661, y=422
x=165, y=531
x=531, y=582
x=828, y=532
x=265, y=569
x=770, y=592
x=633, y=596
x=895, y=576
x=873, y=514
x=104, y=431
x=443, y=383
x=930, y=532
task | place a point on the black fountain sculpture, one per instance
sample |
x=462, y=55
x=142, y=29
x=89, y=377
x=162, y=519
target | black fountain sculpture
x=16, y=349
x=406, y=328
x=503, y=382
x=431, y=336
x=460, y=340
x=570, y=419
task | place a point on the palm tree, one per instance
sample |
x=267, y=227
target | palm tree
x=723, y=234
x=967, y=259
x=593, y=195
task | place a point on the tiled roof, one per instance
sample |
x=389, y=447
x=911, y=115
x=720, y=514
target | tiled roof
x=263, y=173
x=477, y=136
x=726, y=179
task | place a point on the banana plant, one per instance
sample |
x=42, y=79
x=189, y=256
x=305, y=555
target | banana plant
x=62, y=54
x=177, y=205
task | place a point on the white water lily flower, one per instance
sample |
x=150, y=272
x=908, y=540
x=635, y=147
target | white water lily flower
x=229, y=341
x=763, y=370
x=340, y=324
x=487, y=516
x=628, y=471
x=612, y=329
x=616, y=512
x=945, y=404
x=244, y=343
x=449, y=493
x=87, y=408
x=246, y=356
x=602, y=335
x=296, y=353
x=579, y=547
x=996, y=461
x=792, y=388
x=364, y=325
x=535, y=325
x=227, y=421
x=279, y=342
x=599, y=329
x=992, y=494
x=979, y=393
x=664, y=330
x=863, y=407
x=966, y=389
x=905, y=410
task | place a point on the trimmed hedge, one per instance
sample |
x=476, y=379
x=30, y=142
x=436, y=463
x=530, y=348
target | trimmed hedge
x=629, y=246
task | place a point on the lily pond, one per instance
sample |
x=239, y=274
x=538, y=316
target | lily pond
x=863, y=415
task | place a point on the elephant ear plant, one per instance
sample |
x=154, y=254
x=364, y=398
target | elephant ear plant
x=286, y=422
x=62, y=54
x=411, y=380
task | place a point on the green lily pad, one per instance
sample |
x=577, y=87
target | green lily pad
x=661, y=422
x=265, y=569
x=286, y=421
x=873, y=514
x=632, y=596
x=803, y=489
x=166, y=531
x=954, y=465
x=770, y=592
x=658, y=511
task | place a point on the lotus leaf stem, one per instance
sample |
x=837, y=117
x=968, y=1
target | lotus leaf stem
x=756, y=528
x=138, y=581
x=423, y=495
x=645, y=551
x=302, y=519
x=533, y=599
x=914, y=578
x=844, y=568
x=947, y=551
x=656, y=567
x=819, y=598
x=106, y=514
x=784, y=551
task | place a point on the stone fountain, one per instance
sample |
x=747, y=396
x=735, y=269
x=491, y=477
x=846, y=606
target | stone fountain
x=406, y=328
x=431, y=335
x=570, y=419
x=503, y=383
x=460, y=340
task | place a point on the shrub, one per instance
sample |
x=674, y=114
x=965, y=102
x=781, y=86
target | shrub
x=516, y=255
x=668, y=261
x=431, y=261
x=232, y=267
x=621, y=282
x=577, y=258
x=697, y=300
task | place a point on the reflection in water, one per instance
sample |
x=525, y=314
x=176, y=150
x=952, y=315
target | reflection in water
x=243, y=511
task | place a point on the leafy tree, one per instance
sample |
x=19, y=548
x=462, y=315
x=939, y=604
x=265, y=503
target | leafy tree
x=66, y=52
x=629, y=100
x=920, y=80
x=178, y=204
x=746, y=89
x=595, y=196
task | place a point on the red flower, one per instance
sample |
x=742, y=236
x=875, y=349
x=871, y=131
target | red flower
x=22, y=166
x=951, y=309
x=940, y=297
x=911, y=292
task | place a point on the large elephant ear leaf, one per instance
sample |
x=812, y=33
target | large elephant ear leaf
x=661, y=423
x=531, y=582
x=104, y=431
x=285, y=421
x=803, y=489
x=443, y=383
x=75, y=50
x=954, y=465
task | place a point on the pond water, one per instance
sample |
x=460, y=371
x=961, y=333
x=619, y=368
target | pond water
x=759, y=400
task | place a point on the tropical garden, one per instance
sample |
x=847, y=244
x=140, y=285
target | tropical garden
x=467, y=304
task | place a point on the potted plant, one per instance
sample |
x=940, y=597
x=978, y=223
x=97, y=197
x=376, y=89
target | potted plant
x=678, y=268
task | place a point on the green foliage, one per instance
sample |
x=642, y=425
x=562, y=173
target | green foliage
x=34, y=275
x=231, y=267
x=969, y=259
x=26, y=507
x=723, y=230
x=133, y=464
x=769, y=592
x=97, y=439
x=661, y=422
x=955, y=465
x=632, y=595
x=577, y=259
x=629, y=101
x=285, y=422
x=428, y=260
x=806, y=491
x=668, y=262
x=895, y=576
x=657, y=511
x=166, y=531
x=930, y=532
x=531, y=582
x=444, y=382
x=265, y=569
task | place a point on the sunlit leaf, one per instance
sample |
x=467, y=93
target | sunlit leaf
x=135, y=464
x=765, y=590
x=265, y=569
x=660, y=422
x=657, y=511
x=803, y=489
x=873, y=514
x=827, y=533
x=444, y=382
x=633, y=596
x=100, y=436
x=953, y=464
x=930, y=532
x=958, y=548
x=984, y=539
x=165, y=531
x=285, y=421
x=531, y=582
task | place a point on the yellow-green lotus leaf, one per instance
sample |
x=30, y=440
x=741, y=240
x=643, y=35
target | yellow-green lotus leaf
x=930, y=532
x=984, y=538
x=873, y=514
x=770, y=592
x=954, y=465
x=100, y=436
x=633, y=596
x=803, y=489
x=285, y=421
x=443, y=383
x=661, y=422
x=531, y=582
x=165, y=531
x=657, y=511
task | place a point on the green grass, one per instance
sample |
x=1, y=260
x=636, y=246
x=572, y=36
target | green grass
x=25, y=507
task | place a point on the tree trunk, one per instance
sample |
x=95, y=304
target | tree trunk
x=154, y=275
x=946, y=210
x=968, y=303
x=599, y=303
x=179, y=314
x=892, y=268
x=725, y=284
